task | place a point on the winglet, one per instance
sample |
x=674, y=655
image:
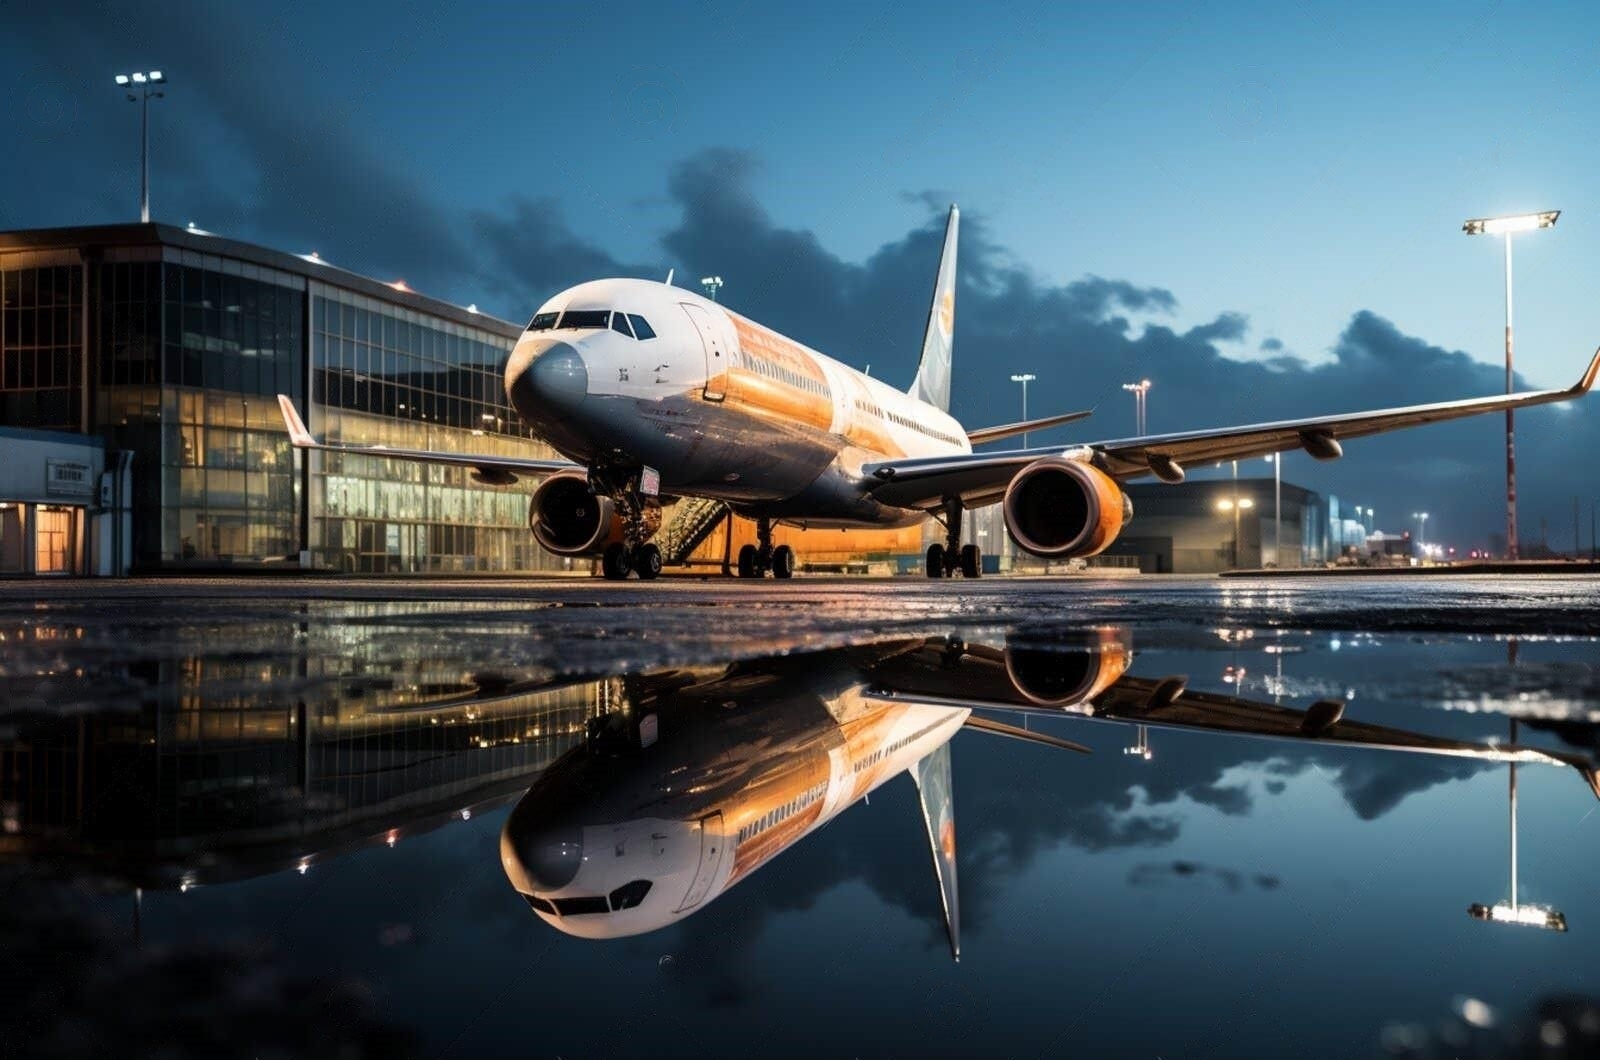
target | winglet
x=299, y=437
x=1589, y=375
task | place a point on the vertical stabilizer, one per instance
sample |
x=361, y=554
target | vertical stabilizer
x=934, y=790
x=933, y=372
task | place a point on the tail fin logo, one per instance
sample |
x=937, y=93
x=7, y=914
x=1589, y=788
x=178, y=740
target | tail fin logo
x=947, y=313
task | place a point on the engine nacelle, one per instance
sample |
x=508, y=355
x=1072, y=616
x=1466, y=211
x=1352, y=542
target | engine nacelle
x=569, y=520
x=1058, y=509
x=1068, y=674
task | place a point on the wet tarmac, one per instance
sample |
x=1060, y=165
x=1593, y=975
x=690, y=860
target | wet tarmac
x=563, y=817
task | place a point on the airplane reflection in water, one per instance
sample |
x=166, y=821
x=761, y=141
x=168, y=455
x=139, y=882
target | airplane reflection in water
x=698, y=778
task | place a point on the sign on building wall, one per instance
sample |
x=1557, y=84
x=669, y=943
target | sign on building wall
x=68, y=478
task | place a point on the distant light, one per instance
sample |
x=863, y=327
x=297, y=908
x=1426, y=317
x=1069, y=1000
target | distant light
x=400, y=285
x=1523, y=222
x=466, y=815
x=473, y=308
x=1224, y=505
x=305, y=863
x=122, y=79
x=392, y=838
x=1475, y=1012
x=1246, y=503
x=156, y=75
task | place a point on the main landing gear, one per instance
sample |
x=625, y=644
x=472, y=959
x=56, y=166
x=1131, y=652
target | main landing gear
x=756, y=560
x=641, y=518
x=946, y=560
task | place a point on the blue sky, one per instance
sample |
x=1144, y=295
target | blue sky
x=1292, y=164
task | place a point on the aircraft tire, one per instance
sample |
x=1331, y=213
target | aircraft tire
x=971, y=562
x=936, y=560
x=614, y=563
x=647, y=561
x=783, y=562
x=747, y=561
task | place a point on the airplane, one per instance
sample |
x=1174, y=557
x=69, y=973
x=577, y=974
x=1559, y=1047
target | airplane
x=653, y=393
x=700, y=777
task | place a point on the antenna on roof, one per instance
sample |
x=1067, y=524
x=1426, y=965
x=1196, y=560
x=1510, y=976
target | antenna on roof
x=669, y=276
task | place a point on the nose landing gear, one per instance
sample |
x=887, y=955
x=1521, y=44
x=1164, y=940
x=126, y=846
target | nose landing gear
x=756, y=560
x=641, y=518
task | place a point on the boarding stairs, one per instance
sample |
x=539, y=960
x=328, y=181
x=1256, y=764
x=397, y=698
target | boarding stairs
x=694, y=521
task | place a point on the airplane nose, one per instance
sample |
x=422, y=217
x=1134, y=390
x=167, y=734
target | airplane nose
x=548, y=854
x=554, y=376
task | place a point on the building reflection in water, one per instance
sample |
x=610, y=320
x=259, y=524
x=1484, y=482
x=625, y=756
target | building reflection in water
x=220, y=767
x=643, y=796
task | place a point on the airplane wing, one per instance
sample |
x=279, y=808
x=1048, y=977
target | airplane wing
x=494, y=470
x=981, y=478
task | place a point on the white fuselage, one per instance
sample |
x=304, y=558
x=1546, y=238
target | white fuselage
x=719, y=405
x=685, y=835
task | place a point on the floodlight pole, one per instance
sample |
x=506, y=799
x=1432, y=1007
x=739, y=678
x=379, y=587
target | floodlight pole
x=1507, y=227
x=1513, y=818
x=1024, y=378
x=1511, y=471
x=149, y=85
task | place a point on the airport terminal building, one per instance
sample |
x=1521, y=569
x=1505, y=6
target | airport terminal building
x=171, y=344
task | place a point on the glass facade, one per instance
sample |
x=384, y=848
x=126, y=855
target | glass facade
x=387, y=375
x=41, y=339
x=176, y=355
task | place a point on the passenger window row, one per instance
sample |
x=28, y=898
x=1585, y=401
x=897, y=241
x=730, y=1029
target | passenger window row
x=784, y=812
x=786, y=375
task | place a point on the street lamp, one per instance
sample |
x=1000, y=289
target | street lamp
x=1025, y=378
x=1422, y=529
x=1509, y=226
x=712, y=284
x=1235, y=504
x=140, y=89
x=1140, y=390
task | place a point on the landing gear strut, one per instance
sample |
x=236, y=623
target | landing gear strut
x=641, y=518
x=755, y=560
x=944, y=561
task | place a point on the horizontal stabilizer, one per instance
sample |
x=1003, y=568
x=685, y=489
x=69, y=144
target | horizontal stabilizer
x=937, y=795
x=1011, y=430
x=1000, y=728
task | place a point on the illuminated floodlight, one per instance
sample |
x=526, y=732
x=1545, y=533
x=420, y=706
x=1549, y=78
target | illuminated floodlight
x=1499, y=226
x=1539, y=916
x=139, y=79
x=122, y=79
x=155, y=75
x=1246, y=503
x=1225, y=505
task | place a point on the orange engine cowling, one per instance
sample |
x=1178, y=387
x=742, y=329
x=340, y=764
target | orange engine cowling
x=1071, y=672
x=569, y=520
x=1058, y=508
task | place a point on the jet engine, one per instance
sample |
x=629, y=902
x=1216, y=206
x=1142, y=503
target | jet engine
x=569, y=520
x=1071, y=673
x=1058, y=508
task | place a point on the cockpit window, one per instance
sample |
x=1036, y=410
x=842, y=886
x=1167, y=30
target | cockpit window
x=629, y=894
x=586, y=318
x=580, y=905
x=641, y=327
x=542, y=321
x=619, y=322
